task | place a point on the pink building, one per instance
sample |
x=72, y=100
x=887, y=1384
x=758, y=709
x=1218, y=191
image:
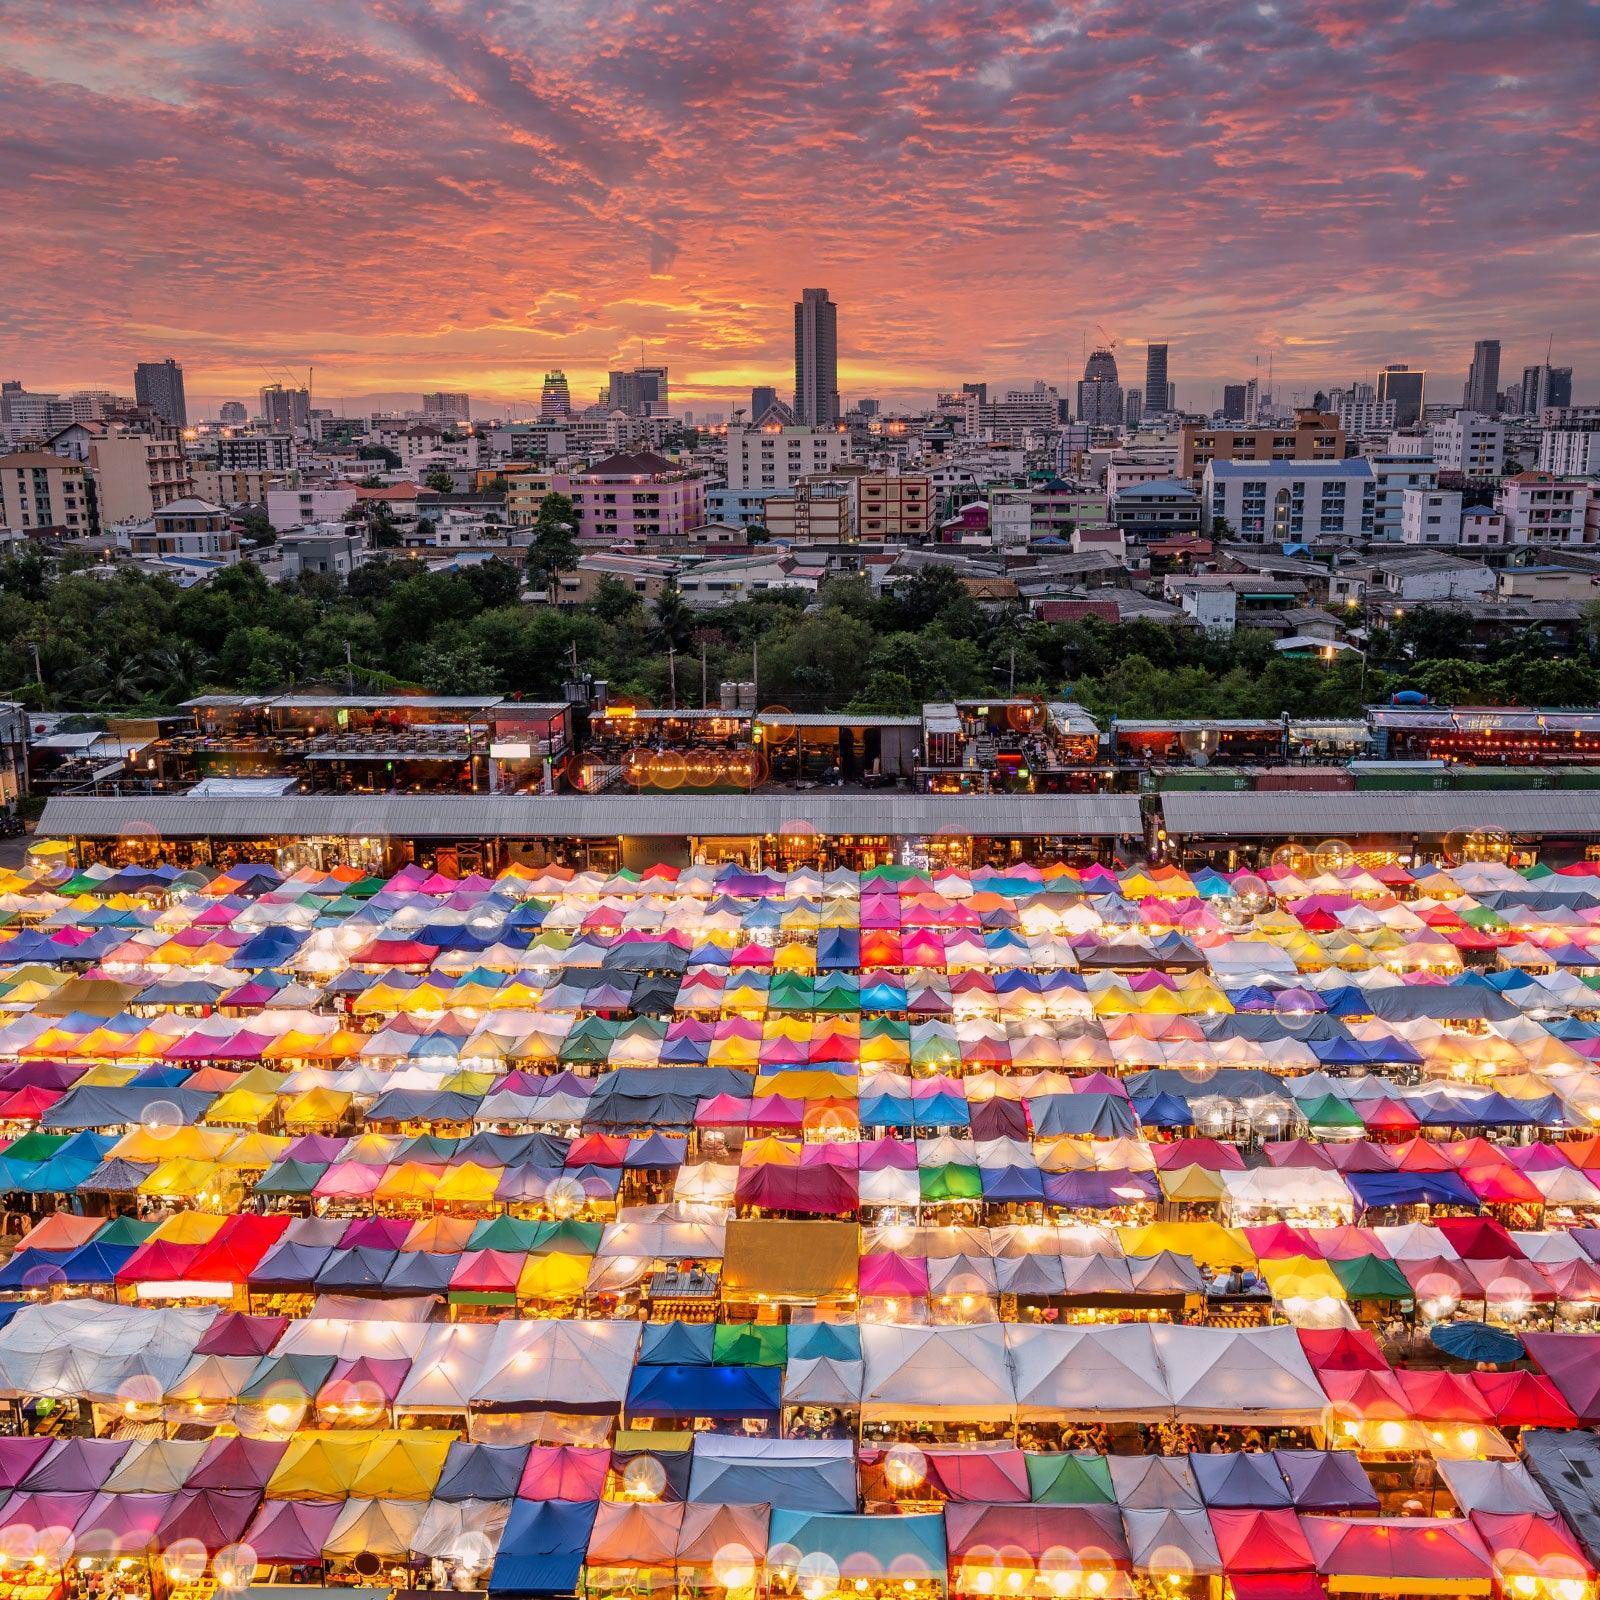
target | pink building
x=637, y=497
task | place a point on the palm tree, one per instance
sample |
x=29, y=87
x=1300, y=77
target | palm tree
x=674, y=620
x=177, y=671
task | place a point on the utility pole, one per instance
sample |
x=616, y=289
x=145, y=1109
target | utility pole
x=349, y=671
x=705, y=699
x=672, y=673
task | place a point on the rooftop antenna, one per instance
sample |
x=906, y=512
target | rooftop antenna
x=1549, y=347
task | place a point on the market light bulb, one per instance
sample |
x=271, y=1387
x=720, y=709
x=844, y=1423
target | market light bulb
x=1390, y=1435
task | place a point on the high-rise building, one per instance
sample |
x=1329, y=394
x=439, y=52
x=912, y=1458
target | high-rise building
x=762, y=399
x=816, y=358
x=1100, y=392
x=1543, y=386
x=1482, y=393
x=233, y=414
x=1133, y=408
x=286, y=410
x=1158, y=394
x=442, y=403
x=159, y=386
x=555, y=399
x=867, y=406
x=641, y=392
x=1233, y=398
x=1404, y=386
x=979, y=389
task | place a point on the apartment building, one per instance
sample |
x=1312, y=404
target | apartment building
x=45, y=493
x=1313, y=436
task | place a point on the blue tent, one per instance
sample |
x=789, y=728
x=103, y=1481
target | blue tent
x=1377, y=1189
x=717, y=1392
x=542, y=1548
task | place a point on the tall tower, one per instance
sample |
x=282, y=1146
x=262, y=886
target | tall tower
x=816, y=359
x=1483, y=379
x=1157, y=390
x=159, y=385
x=555, y=400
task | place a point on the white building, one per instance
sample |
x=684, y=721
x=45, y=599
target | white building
x=1394, y=473
x=1570, y=452
x=1472, y=445
x=777, y=457
x=1430, y=516
x=1428, y=576
x=1365, y=413
x=1279, y=502
x=1540, y=508
x=738, y=578
x=309, y=503
x=256, y=452
x=1483, y=528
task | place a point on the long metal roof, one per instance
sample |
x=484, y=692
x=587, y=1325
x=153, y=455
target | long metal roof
x=1290, y=814
x=598, y=816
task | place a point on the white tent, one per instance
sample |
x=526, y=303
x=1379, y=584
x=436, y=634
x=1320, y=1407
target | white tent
x=1228, y=1375
x=930, y=1374
x=823, y=1381
x=1110, y=1371
x=798, y=1474
x=562, y=1366
x=1503, y=1488
x=447, y=1366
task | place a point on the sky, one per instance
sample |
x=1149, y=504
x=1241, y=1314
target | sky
x=417, y=194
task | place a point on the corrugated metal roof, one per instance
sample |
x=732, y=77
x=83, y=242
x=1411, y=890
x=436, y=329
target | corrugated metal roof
x=596, y=816
x=1288, y=814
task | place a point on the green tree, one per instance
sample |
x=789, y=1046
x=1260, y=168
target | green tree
x=674, y=621
x=554, y=549
x=379, y=452
x=439, y=480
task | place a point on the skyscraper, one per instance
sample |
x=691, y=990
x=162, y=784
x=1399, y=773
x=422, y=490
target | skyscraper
x=762, y=399
x=816, y=359
x=1397, y=382
x=286, y=410
x=1543, y=386
x=159, y=386
x=1233, y=399
x=641, y=392
x=1482, y=393
x=1157, y=390
x=1100, y=393
x=233, y=414
x=444, y=403
x=555, y=399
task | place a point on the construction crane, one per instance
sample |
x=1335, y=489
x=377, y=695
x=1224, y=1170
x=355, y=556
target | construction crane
x=1110, y=340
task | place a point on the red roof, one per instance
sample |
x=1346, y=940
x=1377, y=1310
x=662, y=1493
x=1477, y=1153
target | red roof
x=1076, y=610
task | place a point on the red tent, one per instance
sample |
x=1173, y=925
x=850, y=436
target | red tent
x=1369, y=1396
x=214, y=1517
x=1572, y=1361
x=1525, y=1546
x=1436, y=1396
x=1479, y=1239
x=816, y=1191
x=236, y=1333
x=1523, y=1400
x=1342, y=1350
x=1364, y=1555
x=1260, y=1541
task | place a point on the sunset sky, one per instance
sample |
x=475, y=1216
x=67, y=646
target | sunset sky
x=412, y=195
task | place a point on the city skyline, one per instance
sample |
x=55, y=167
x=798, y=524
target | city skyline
x=468, y=211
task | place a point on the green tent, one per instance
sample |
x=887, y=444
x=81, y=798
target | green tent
x=748, y=1344
x=1079, y=1478
x=1371, y=1278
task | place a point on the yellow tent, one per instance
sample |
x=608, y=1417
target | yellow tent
x=795, y=958
x=553, y=1277
x=1209, y=1243
x=411, y=1180
x=320, y=1466
x=187, y=1179
x=173, y=1143
x=1301, y=1278
x=255, y=1151
x=467, y=1184
x=401, y=1466
x=189, y=1227
x=1194, y=1184
x=316, y=1107
x=241, y=1108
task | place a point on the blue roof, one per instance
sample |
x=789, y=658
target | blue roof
x=1352, y=467
x=1158, y=486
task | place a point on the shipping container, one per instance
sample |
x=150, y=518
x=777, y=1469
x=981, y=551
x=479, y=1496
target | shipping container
x=1206, y=778
x=1400, y=775
x=1305, y=780
x=1501, y=778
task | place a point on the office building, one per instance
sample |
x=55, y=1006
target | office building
x=158, y=385
x=286, y=410
x=1100, y=402
x=1290, y=501
x=1543, y=386
x=1482, y=393
x=816, y=358
x=1472, y=445
x=1233, y=399
x=555, y=399
x=1133, y=409
x=233, y=414
x=442, y=403
x=866, y=406
x=1365, y=413
x=1403, y=386
x=1158, y=394
x=639, y=392
x=777, y=457
x=45, y=493
x=762, y=399
x=1570, y=452
x=257, y=452
x=1313, y=436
